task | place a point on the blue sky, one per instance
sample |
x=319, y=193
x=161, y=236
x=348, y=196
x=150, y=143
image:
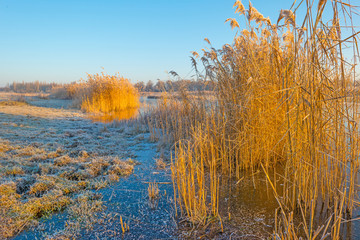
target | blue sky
x=53, y=40
x=61, y=41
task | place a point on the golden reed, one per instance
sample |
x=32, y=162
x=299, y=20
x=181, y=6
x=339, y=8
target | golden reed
x=285, y=97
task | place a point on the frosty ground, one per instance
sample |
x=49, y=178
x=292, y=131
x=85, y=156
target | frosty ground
x=64, y=176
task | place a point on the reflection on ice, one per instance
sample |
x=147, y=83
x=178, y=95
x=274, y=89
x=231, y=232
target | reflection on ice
x=116, y=116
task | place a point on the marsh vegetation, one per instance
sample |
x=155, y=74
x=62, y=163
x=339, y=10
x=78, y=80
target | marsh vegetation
x=286, y=108
x=41, y=177
x=264, y=145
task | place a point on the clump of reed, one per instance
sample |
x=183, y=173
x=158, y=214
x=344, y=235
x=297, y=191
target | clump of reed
x=103, y=93
x=285, y=96
x=153, y=194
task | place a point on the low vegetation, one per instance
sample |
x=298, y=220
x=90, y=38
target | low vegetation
x=154, y=194
x=13, y=103
x=285, y=104
x=125, y=227
x=35, y=182
x=160, y=163
x=83, y=214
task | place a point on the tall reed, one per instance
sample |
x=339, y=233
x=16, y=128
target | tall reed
x=102, y=93
x=285, y=95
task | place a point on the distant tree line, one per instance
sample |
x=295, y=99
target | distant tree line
x=30, y=87
x=161, y=86
x=150, y=86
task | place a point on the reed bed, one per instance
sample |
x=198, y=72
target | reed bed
x=103, y=93
x=285, y=96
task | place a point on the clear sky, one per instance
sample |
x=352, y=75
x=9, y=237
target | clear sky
x=61, y=40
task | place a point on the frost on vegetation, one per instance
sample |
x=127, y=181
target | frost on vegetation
x=54, y=163
x=131, y=127
x=62, y=161
x=5, y=146
x=82, y=214
x=35, y=182
x=160, y=163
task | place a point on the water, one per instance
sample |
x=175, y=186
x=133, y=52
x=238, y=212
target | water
x=116, y=116
x=248, y=208
x=131, y=113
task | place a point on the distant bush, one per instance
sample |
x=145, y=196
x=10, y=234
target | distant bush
x=61, y=92
x=102, y=93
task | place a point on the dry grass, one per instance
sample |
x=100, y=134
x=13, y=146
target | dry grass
x=15, y=214
x=35, y=183
x=13, y=103
x=62, y=92
x=13, y=171
x=125, y=227
x=160, y=163
x=82, y=215
x=62, y=161
x=102, y=93
x=23, y=109
x=285, y=95
x=153, y=194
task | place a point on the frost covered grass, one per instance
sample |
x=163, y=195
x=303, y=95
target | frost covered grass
x=35, y=182
x=13, y=103
x=160, y=163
